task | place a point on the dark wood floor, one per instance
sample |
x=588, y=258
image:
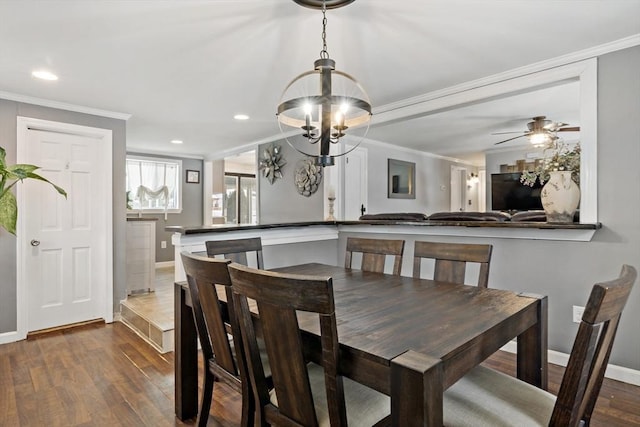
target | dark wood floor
x=104, y=375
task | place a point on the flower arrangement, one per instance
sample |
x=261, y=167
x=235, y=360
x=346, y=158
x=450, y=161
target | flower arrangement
x=557, y=156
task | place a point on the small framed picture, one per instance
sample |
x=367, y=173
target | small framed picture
x=193, y=177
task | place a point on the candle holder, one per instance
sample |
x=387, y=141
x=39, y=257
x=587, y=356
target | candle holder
x=331, y=217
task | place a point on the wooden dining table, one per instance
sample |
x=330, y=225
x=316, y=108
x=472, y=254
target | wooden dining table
x=409, y=338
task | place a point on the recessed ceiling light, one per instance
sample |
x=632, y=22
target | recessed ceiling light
x=44, y=75
x=241, y=117
x=176, y=141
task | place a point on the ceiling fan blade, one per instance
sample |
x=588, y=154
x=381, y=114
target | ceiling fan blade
x=569, y=129
x=510, y=139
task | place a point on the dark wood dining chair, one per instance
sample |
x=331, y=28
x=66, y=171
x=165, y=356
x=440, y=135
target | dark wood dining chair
x=236, y=250
x=451, y=260
x=305, y=394
x=485, y=397
x=374, y=253
x=222, y=360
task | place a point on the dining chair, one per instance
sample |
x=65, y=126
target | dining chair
x=236, y=250
x=305, y=394
x=451, y=260
x=223, y=360
x=374, y=253
x=485, y=397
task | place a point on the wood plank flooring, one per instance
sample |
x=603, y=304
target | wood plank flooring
x=105, y=375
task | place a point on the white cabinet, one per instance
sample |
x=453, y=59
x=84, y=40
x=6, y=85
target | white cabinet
x=141, y=254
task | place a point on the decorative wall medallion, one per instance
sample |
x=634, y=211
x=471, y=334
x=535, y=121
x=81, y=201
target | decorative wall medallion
x=271, y=163
x=308, y=177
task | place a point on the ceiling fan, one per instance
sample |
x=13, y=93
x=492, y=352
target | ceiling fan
x=541, y=130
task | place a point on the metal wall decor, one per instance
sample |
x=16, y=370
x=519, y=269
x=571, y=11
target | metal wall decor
x=308, y=176
x=271, y=163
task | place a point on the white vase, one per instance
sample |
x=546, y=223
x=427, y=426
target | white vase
x=560, y=197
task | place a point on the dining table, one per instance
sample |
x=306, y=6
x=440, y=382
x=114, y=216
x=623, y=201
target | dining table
x=410, y=338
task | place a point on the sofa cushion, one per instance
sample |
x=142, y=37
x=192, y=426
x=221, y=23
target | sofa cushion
x=534, y=216
x=470, y=216
x=410, y=216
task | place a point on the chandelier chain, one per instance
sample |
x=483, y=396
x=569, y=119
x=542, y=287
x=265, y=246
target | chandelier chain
x=324, y=54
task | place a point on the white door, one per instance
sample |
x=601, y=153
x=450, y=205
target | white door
x=64, y=260
x=355, y=183
x=458, y=189
x=482, y=191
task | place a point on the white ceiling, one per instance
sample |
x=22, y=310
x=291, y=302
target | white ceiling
x=182, y=69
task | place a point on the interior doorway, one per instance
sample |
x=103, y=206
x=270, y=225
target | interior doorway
x=458, y=189
x=240, y=189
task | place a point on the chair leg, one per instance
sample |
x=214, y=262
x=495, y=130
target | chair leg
x=248, y=407
x=207, y=395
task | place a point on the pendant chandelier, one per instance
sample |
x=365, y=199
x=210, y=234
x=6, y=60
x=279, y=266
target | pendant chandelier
x=324, y=107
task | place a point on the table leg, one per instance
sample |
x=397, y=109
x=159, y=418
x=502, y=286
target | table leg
x=532, y=349
x=185, y=357
x=416, y=390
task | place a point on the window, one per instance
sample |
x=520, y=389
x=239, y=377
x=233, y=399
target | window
x=153, y=184
x=240, y=198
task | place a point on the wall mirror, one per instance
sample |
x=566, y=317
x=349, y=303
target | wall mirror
x=398, y=120
x=401, y=177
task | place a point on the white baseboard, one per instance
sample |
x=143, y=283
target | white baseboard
x=165, y=264
x=8, y=337
x=614, y=372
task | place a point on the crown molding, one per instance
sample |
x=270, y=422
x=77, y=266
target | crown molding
x=387, y=146
x=63, y=106
x=571, y=58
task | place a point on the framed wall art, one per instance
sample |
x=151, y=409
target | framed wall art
x=401, y=178
x=193, y=177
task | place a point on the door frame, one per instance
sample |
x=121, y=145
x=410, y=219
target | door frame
x=458, y=176
x=104, y=139
x=362, y=153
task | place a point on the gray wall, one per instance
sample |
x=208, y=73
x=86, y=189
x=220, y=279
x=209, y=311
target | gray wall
x=566, y=271
x=192, y=206
x=280, y=201
x=433, y=181
x=9, y=110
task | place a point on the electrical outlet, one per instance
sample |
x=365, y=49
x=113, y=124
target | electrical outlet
x=577, y=313
x=163, y=244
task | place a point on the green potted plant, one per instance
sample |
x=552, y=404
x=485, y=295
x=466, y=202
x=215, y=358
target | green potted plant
x=9, y=176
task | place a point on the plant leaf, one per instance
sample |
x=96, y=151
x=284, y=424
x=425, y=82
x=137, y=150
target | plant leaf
x=21, y=170
x=3, y=155
x=8, y=212
x=38, y=177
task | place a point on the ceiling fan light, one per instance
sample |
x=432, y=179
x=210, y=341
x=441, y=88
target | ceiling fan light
x=539, y=138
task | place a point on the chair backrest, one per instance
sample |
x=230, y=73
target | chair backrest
x=374, y=253
x=451, y=260
x=203, y=274
x=591, y=349
x=278, y=296
x=236, y=250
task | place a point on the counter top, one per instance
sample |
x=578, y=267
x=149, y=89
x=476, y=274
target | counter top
x=426, y=223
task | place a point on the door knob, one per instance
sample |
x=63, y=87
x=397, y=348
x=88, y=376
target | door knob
x=35, y=242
